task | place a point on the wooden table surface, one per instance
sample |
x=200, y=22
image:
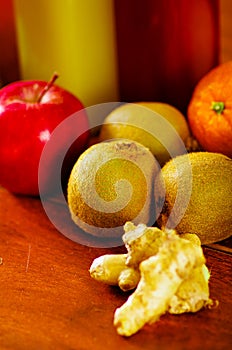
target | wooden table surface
x=49, y=301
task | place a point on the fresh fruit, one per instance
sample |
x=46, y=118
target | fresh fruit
x=210, y=110
x=158, y=126
x=198, y=195
x=29, y=112
x=110, y=184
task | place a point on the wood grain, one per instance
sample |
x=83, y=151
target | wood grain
x=49, y=301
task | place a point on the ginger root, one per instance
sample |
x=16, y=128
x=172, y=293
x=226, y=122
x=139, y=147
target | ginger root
x=193, y=292
x=107, y=268
x=142, y=242
x=167, y=271
x=112, y=269
x=123, y=269
x=161, y=276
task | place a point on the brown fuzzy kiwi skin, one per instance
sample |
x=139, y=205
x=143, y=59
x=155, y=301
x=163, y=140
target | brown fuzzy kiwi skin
x=209, y=210
x=97, y=222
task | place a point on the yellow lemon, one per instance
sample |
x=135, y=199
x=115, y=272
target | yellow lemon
x=158, y=126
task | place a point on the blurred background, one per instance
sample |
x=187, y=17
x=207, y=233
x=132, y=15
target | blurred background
x=115, y=50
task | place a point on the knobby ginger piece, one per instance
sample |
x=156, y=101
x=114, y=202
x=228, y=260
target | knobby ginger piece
x=142, y=242
x=107, y=268
x=193, y=293
x=128, y=279
x=112, y=269
x=161, y=276
x=192, y=237
x=158, y=289
x=123, y=269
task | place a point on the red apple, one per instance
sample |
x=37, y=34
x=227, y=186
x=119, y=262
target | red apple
x=29, y=112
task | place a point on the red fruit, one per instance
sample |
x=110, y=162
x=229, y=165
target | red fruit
x=29, y=112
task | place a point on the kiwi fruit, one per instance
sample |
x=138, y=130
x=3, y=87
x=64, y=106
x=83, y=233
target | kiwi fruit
x=198, y=195
x=111, y=183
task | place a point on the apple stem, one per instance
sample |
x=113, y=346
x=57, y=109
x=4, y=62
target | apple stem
x=47, y=87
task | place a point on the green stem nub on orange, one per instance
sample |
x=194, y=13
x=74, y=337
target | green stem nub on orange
x=218, y=107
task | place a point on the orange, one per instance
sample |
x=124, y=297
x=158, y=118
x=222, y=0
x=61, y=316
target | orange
x=210, y=110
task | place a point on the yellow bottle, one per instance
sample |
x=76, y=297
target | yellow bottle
x=75, y=38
